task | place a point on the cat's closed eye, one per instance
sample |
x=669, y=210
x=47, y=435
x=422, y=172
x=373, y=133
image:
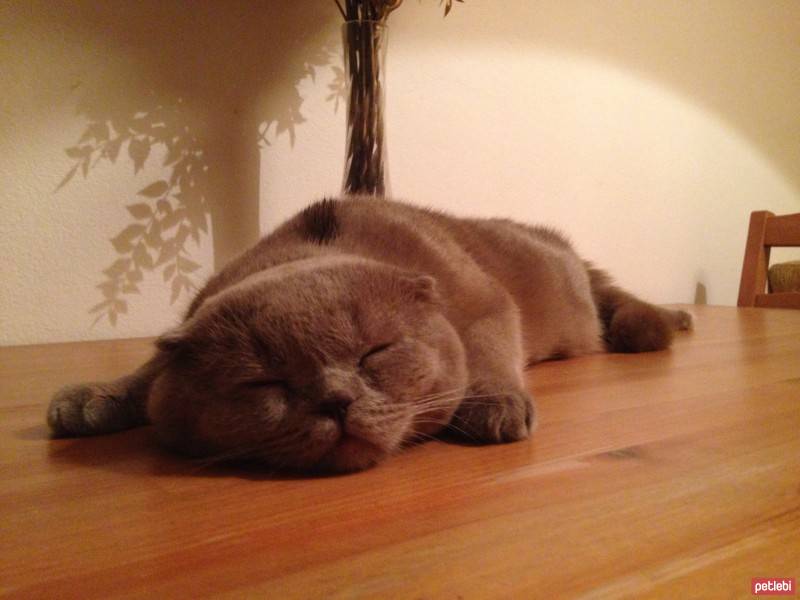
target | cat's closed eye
x=374, y=351
x=265, y=383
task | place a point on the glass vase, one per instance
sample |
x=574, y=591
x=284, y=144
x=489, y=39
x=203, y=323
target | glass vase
x=365, y=151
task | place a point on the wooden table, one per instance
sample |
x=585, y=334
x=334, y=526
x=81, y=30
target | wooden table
x=671, y=475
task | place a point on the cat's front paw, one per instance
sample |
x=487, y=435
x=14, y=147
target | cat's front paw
x=494, y=418
x=84, y=409
x=683, y=320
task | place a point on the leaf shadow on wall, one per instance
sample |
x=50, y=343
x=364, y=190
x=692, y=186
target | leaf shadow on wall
x=196, y=91
x=168, y=212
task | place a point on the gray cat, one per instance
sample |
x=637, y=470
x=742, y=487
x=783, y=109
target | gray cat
x=360, y=326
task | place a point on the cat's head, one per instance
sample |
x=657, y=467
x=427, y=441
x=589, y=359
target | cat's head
x=322, y=364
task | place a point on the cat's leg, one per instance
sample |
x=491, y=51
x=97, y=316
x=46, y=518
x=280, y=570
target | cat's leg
x=631, y=324
x=94, y=408
x=497, y=407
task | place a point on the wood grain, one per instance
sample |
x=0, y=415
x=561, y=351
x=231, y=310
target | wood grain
x=671, y=475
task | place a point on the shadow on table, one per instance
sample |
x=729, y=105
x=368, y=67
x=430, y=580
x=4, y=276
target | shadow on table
x=138, y=452
x=36, y=432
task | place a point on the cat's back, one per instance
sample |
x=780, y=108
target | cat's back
x=420, y=240
x=408, y=237
x=479, y=264
x=406, y=229
x=488, y=262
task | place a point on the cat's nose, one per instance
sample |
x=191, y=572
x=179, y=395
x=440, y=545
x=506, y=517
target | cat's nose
x=335, y=406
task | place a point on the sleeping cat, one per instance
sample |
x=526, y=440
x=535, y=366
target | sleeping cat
x=360, y=326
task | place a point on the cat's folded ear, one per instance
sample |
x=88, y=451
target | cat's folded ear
x=175, y=339
x=422, y=288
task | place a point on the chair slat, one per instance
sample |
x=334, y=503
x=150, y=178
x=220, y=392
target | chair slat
x=756, y=260
x=778, y=300
x=782, y=231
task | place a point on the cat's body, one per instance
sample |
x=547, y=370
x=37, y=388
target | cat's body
x=362, y=325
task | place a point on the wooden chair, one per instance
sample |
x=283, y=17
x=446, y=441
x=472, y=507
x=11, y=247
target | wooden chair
x=767, y=230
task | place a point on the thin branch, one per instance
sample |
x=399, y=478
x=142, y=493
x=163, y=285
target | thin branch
x=341, y=10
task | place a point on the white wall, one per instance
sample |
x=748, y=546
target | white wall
x=648, y=130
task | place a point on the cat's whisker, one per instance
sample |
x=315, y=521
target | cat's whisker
x=423, y=421
x=463, y=432
x=445, y=425
x=441, y=401
x=450, y=392
x=470, y=400
x=417, y=437
x=448, y=398
x=223, y=457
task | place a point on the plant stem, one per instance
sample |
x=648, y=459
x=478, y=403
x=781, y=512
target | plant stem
x=364, y=168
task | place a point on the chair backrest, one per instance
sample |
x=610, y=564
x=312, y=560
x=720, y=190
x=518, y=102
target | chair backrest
x=766, y=231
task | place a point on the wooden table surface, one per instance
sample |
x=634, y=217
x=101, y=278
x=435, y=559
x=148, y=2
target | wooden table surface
x=669, y=475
